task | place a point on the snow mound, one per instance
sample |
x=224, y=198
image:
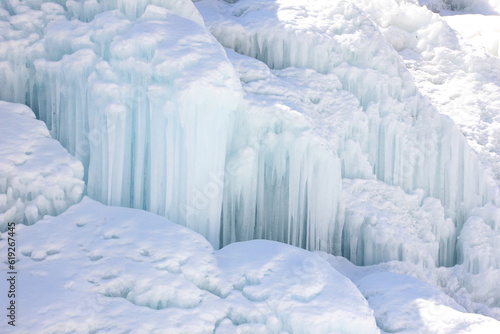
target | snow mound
x=287, y=286
x=37, y=175
x=403, y=304
x=407, y=299
x=97, y=269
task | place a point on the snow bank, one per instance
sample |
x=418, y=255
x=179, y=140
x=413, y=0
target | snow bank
x=37, y=175
x=418, y=304
x=461, y=81
x=291, y=289
x=405, y=305
x=96, y=268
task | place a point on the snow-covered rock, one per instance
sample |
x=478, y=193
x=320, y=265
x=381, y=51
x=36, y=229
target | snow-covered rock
x=37, y=175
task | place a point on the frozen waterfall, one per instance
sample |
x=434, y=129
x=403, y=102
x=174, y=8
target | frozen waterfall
x=253, y=143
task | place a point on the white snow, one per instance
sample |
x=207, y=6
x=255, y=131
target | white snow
x=479, y=30
x=37, y=175
x=106, y=269
x=404, y=304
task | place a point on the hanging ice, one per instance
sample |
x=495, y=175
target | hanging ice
x=143, y=95
x=407, y=142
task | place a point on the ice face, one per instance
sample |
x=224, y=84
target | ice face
x=143, y=95
x=383, y=223
x=38, y=176
x=447, y=69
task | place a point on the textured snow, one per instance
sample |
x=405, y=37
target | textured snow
x=100, y=269
x=37, y=175
x=404, y=304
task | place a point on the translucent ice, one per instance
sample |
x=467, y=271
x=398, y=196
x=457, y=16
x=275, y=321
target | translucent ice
x=137, y=90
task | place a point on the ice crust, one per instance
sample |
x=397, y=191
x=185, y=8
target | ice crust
x=37, y=175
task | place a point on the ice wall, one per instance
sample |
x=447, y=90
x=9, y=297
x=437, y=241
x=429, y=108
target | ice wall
x=142, y=94
x=407, y=142
x=38, y=176
x=283, y=180
x=459, y=79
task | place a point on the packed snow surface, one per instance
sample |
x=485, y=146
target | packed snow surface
x=116, y=270
x=37, y=175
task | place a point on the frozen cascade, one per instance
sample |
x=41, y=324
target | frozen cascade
x=117, y=91
x=459, y=79
x=116, y=88
x=283, y=180
x=409, y=143
x=297, y=121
